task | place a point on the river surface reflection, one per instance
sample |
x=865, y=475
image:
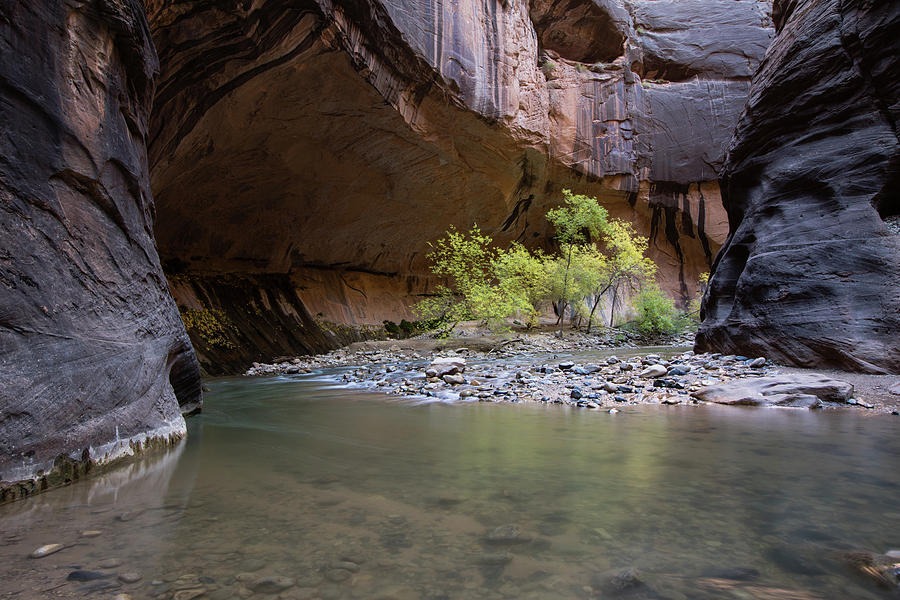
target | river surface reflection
x=294, y=487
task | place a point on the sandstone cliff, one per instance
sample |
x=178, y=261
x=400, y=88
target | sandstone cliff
x=810, y=273
x=328, y=142
x=93, y=357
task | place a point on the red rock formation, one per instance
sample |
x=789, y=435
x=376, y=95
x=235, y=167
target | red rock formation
x=92, y=352
x=810, y=273
x=295, y=138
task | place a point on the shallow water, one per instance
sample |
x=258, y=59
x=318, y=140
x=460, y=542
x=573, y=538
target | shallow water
x=286, y=476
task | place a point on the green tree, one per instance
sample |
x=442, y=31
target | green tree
x=626, y=265
x=466, y=261
x=694, y=306
x=524, y=280
x=579, y=221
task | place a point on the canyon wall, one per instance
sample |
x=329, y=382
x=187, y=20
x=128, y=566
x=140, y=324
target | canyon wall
x=93, y=356
x=810, y=273
x=327, y=143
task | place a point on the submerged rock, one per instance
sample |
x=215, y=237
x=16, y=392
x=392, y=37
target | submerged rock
x=507, y=535
x=618, y=582
x=46, y=550
x=88, y=575
x=271, y=584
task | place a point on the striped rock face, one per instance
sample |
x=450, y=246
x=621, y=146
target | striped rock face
x=327, y=142
x=94, y=359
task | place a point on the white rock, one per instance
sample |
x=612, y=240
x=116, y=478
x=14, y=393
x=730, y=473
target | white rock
x=46, y=550
x=447, y=366
x=654, y=371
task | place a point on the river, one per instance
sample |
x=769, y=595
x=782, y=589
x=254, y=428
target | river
x=339, y=493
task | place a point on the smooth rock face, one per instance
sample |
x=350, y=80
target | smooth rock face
x=802, y=391
x=331, y=141
x=92, y=352
x=810, y=274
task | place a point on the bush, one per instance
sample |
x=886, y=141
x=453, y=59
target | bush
x=466, y=261
x=656, y=314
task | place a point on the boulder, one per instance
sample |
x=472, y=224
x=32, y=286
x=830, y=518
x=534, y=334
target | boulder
x=654, y=371
x=810, y=272
x=454, y=379
x=446, y=366
x=799, y=391
x=95, y=360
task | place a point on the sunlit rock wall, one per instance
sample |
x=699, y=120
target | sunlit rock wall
x=811, y=272
x=301, y=137
x=93, y=357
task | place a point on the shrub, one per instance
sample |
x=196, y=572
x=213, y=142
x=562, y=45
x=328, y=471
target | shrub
x=656, y=312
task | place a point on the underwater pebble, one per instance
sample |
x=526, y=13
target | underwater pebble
x=46, y=550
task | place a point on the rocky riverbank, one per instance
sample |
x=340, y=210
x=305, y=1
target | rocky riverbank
x=551, y=371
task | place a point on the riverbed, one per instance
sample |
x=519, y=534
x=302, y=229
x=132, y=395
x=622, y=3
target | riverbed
x=298, y=487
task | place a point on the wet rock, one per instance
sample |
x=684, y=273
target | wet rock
x=88, y=575
x=494, y=559
x=337, y=575
x=189, y=594
x=575, y=394
x=346, y=565
x=618, y=582
x=98, y=586
x=454, y=379
x=566, y=366
x=804, y=391
x=793, y=560
x=446, y=366
x=507, y=534
x=757, y=362
x=733, y=573
x=109, y=563
x=271, y=584
x=130, y=577
x=46, y=550
x=255, y=564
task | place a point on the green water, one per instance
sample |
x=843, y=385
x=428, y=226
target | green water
x=285, y=476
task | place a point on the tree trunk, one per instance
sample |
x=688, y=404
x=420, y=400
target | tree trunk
x=562, y=313
x=612, y=307
x=596, y=303
x=593, y=308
